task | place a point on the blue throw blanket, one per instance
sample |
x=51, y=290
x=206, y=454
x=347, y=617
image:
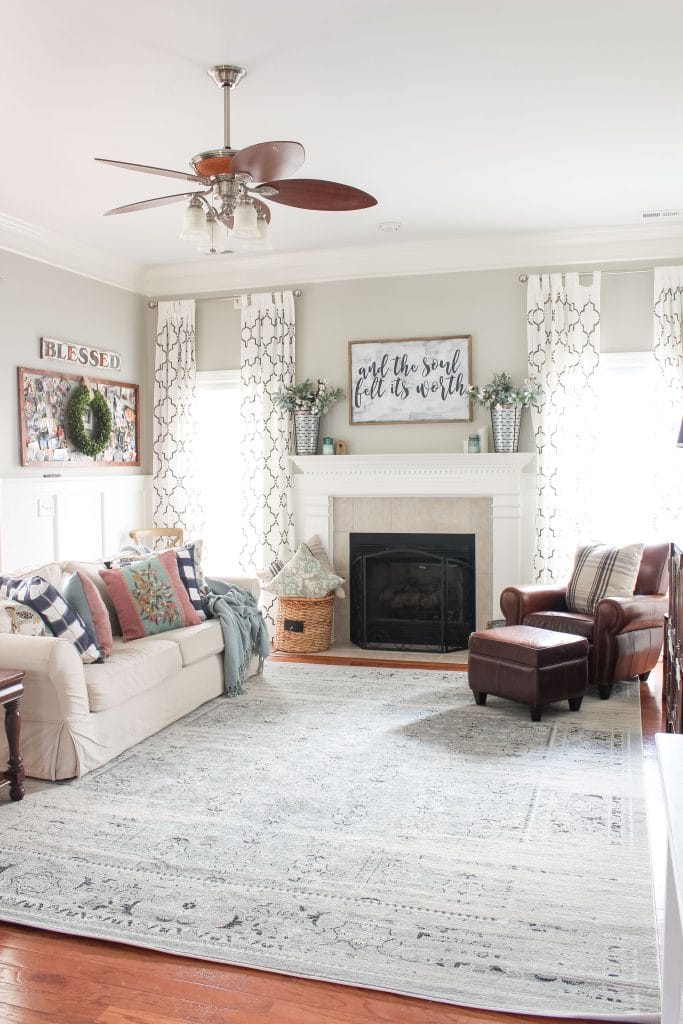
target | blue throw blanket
x=244, y=631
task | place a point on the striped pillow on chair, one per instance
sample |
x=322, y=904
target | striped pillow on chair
x=601, y=571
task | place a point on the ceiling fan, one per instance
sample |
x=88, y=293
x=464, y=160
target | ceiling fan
x=234, y=184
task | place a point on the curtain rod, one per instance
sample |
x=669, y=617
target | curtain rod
x=153, y=303
x=523, y=278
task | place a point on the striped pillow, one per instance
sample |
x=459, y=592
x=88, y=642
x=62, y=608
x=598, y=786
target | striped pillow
x=601, y=571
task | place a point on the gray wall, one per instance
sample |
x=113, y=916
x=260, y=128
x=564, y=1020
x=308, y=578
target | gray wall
x=489, y=305
x=40, y=300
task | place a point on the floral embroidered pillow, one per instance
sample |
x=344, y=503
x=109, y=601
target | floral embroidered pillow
x=149, y=596
x=19, y=618
x=304, y=576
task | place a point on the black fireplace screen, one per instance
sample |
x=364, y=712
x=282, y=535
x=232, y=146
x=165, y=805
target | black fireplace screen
x=412, y=591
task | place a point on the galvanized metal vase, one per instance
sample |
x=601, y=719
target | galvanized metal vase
x=505, y=422
x=306, y=431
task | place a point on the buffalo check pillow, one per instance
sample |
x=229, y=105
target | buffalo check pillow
x=600, y=572
x=56, y=613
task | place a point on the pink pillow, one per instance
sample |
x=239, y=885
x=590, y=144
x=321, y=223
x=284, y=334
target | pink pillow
x=82, y=595
x=149, y=596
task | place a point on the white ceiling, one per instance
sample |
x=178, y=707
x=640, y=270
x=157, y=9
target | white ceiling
x=463, y=117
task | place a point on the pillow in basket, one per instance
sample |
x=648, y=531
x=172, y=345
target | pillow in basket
x=601, y=571
x=304, y=576
x=314, y=544
x=149, y=596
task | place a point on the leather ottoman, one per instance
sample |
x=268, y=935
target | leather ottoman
x=529, y=665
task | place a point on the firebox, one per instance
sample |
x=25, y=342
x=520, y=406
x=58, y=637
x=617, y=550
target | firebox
x=412, y=591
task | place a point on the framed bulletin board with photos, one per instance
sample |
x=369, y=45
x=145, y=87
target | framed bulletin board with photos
x=43, y=439
x=416, y=380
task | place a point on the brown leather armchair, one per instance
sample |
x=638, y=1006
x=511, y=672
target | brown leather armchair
x=624, y=635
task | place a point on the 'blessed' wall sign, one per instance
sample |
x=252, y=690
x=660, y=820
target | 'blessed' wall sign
x=84, y=355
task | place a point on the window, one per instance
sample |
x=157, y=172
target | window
x=636, y=467
x=218, y=407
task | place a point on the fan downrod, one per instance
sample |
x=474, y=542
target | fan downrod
x=227, y=76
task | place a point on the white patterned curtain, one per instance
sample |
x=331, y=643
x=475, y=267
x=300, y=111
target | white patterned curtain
x=563, y=335
x=267, y=364
x=668, y=353
x=175, y=483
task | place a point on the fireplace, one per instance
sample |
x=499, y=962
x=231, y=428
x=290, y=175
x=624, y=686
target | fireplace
x=412, y=591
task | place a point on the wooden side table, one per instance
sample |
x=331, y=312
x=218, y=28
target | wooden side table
x=11, y=692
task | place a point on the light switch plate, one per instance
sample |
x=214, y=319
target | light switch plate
x=46, y=506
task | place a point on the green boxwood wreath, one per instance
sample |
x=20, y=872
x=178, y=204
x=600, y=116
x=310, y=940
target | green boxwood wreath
x=79, y=401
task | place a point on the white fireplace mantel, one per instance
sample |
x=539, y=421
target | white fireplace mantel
x=473, y=475
x=507, y=479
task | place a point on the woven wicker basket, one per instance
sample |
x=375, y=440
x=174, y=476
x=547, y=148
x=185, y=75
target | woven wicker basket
x=303, y=625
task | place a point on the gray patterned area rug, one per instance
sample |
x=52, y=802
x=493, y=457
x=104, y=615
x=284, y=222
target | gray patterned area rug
x=366, y=826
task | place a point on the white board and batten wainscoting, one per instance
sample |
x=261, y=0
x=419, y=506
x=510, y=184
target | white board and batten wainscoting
x=50, y=519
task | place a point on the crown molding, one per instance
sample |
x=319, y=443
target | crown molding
x=45, y=246
x=528, y=251
x=522, y=250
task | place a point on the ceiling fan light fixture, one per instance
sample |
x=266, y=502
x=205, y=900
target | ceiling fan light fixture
x=194, y=227
x=246, y=222
x=262, y=243
x=235, y=182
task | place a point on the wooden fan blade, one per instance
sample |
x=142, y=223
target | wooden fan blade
x=269, y=160
x=147, y=203
x=183, y=175
x=313, y=194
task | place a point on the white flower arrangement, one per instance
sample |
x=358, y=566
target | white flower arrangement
x=308, y=397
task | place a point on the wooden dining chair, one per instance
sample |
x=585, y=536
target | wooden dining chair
x=158, y=539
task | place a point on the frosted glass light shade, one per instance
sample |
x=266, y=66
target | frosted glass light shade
x=213, y=239
x=245, y=222
x=262, y=241
x=194, y=224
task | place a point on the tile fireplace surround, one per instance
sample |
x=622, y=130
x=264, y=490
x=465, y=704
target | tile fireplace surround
x=490, y=496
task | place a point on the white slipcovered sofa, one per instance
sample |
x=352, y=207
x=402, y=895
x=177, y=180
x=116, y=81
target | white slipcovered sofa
x=76, y=717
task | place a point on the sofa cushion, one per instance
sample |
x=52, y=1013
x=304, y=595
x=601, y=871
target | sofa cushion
x=149, y=596
x=131, y=668
x=56, y=613
x=197, y=642
x=19, y=618
x=50, y=571
x=92, y=571
x=85, y=599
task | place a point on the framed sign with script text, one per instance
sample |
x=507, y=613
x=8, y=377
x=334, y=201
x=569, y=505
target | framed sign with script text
x=416, y=380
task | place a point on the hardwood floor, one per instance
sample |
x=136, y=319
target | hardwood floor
x=46, y=978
